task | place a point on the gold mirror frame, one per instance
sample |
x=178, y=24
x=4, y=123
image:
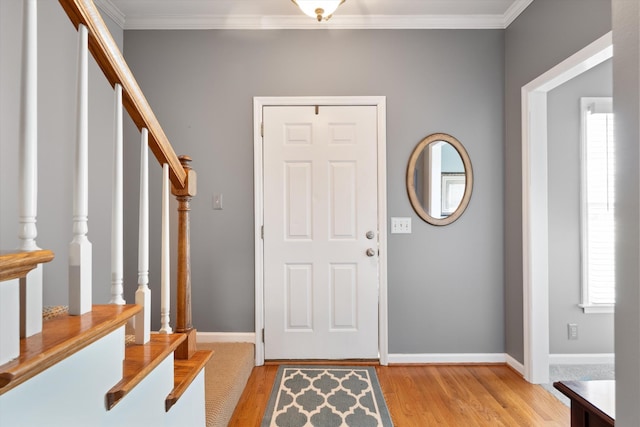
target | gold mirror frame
x=411, y=169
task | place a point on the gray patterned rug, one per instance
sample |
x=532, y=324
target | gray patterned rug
x=326, y=396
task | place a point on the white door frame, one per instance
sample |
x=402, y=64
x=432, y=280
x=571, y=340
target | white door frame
x=377, y=101
x=535, y=227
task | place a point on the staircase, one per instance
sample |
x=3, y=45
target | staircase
x=77, y=369
x=62, y=374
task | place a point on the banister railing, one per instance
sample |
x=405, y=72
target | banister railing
x=31, y=284
x=14, y=267
x=84, y=14
x=94, y=37
x=110, y=60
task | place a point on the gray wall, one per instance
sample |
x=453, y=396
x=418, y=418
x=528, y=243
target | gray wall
x=201, y=85
x=56, y=126
x=595, y=330
x=626, y=107
x=546, y=33
x=435, y=81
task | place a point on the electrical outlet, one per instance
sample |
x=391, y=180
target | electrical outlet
x=573, y=331
x=400, y=225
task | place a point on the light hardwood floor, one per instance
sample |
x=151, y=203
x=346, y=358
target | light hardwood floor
x=436, y=395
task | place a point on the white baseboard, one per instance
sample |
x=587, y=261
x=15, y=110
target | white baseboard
x=207, y=337
x=581, y=359
x=515, y=365
x=461, y=358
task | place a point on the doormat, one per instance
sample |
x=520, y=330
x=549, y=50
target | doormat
x=326, y=396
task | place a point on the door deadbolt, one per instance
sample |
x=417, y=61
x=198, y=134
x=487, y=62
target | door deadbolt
x=370, y=235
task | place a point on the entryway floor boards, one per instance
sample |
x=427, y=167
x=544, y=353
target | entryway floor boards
x=321, y=232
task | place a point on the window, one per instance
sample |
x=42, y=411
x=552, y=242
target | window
x=597, y=206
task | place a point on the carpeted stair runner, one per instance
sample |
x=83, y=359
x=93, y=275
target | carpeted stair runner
x=225, y=377
x=51, y=311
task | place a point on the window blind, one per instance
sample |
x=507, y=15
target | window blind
x=598, y=205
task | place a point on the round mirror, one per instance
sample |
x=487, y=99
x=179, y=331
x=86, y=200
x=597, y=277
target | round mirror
x=439, y=179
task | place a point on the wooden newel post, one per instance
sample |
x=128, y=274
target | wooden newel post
x=183, y=315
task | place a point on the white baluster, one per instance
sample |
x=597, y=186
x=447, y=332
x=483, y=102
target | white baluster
x=143, y=294
x=117, y=245
x=29, y=130
x=80, y=247
x=31, y=285
x=165, y=281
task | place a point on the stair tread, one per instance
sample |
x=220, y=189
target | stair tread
x=184, y=372
x=139, y=361
x=61, y=337
x=17, y=263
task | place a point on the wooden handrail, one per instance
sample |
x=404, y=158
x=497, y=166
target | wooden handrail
x=183, y=178
x=109, y=58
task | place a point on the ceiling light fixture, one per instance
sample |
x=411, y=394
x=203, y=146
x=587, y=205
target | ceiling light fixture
x=319, y=9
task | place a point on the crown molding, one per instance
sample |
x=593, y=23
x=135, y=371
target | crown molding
x=111, y=11
x=278, y=22
x=199, y=21
x=514, y=11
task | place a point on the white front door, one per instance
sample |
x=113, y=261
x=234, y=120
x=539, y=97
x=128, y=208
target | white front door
x=320, y=232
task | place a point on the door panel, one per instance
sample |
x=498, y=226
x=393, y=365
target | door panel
x=299, y=303
x=320, y=200
x=344, y=307
x=342, y=200
x=298, y=201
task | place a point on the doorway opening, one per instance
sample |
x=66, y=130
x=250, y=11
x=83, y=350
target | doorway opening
x=535, y=245
x=260, y=103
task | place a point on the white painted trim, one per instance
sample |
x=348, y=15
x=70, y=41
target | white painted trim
x=258, y=190
x=598, y=308
x=9, y=320
x=516, y=8
x=209, y=337
x=141, y=17
x=302, y=22
x=426, y=358
x=112, y=11
x=535, y=250
x=515, y=365
x=380, y=103
x=582, y=359
x=383, y=313
x=535, y=264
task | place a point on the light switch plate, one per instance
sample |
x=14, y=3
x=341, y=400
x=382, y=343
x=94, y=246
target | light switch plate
x=217, y=202
x=400, y=225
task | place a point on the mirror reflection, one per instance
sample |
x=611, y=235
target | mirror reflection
x=439, y=179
